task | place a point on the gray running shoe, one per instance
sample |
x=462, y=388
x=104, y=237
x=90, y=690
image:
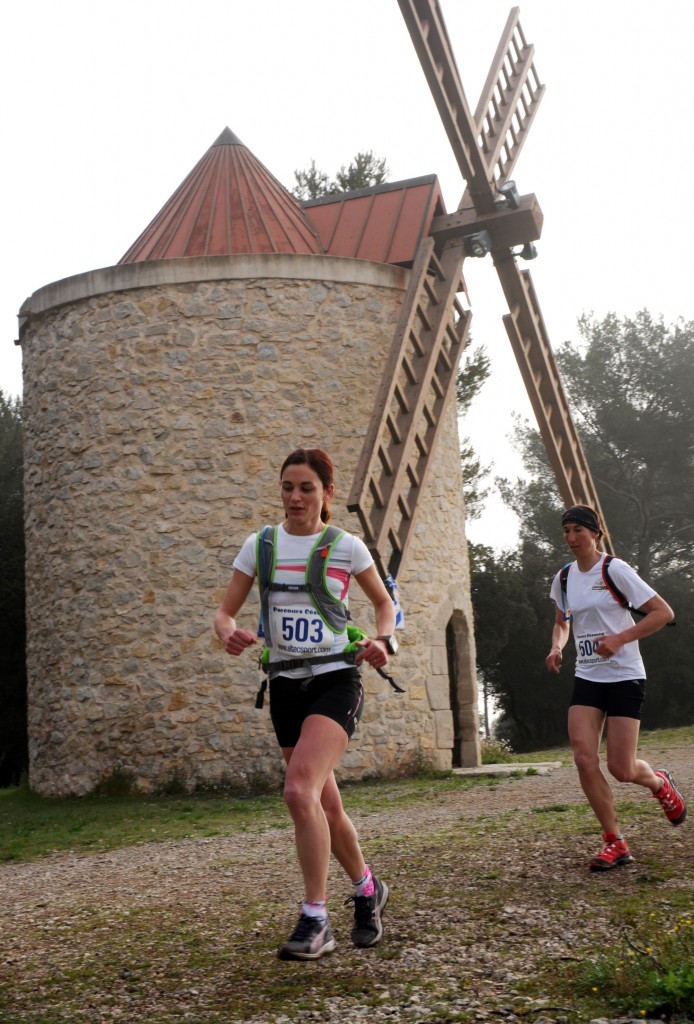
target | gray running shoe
x=310, y=940
x=368, y=926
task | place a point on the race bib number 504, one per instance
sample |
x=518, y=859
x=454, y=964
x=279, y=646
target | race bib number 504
x=585, y=649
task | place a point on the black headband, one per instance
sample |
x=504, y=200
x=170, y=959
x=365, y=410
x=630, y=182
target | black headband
x=582, y=516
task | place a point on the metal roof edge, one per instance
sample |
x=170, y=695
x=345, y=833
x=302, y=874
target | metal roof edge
x=389, y=186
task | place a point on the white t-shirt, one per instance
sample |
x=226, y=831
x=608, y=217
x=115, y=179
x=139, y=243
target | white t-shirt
x=296, y=628
x=596, y=613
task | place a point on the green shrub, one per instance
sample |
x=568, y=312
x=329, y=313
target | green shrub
x=651, y=972
x=495, y=751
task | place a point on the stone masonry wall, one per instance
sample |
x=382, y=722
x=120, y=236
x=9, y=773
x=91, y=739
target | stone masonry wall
x=160, y=402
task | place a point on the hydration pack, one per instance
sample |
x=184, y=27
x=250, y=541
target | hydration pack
x=331, y=610
x=617, y=594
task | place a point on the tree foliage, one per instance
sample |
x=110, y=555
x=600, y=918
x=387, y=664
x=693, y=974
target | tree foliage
x=312, y=183
x=512, y=621
x=13, y=739
x=630, y=384
x=473, y=373
x=364, y=171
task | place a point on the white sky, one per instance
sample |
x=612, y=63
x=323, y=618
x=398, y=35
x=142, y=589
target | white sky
x=106, y=108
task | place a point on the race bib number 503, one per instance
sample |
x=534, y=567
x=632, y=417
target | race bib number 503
x=298, y=632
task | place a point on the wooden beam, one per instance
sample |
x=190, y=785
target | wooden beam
x=506, y=227
x=429, y=35
x=417, y=384
x=527, y=333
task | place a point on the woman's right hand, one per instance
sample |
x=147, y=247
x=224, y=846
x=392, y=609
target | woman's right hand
x=237, y=641
x=553, y=660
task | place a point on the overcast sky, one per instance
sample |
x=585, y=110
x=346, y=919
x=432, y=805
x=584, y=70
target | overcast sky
x=106, y=108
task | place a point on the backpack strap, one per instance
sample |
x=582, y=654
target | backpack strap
x=617, y=594
x=265, y=559
x=563, y=577
x=331, y=609
x=276, y=668
x=614, y=590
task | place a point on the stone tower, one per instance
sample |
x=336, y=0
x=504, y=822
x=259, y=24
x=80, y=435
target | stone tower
x=161, y=396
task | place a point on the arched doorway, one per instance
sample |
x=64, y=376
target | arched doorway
x=462, y=679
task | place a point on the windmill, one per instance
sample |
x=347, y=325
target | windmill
x=433, y=327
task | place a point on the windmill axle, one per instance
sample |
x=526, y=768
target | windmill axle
x=506, y=226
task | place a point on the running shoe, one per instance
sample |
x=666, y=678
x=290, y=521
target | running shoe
x=671, y=800
x=310, y=940
x=614, y=854
x=368, y=926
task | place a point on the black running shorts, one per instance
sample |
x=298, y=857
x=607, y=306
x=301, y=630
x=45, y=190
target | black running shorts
x=623, y=699
x=338, y=695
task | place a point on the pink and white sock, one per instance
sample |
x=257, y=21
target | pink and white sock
x=316, y=908
x=365, y=886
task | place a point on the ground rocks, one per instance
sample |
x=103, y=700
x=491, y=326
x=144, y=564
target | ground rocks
x=486, y=884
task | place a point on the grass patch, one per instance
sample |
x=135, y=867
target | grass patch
x=680, y=737
x=493, y=751
x=647, y=972
x=649, y=740
x=492, y=911
x=33, y=826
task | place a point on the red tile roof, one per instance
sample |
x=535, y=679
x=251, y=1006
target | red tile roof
x=384, y=223
x=230, y=203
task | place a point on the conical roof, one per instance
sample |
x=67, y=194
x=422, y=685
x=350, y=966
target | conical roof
x=228, y=204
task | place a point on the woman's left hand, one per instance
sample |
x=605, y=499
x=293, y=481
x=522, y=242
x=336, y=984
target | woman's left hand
x=606, y=646
x=374, y=653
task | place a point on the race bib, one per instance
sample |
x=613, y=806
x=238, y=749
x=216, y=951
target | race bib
x=299, y=632
x=585, y=651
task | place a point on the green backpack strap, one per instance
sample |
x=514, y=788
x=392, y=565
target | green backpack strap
x=331, y=609
x=265, y=560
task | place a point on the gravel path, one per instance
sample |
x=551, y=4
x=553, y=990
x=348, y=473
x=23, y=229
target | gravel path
x=181, y=931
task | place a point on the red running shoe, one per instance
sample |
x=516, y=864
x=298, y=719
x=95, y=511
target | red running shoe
x=614, y=854
x=671, y=800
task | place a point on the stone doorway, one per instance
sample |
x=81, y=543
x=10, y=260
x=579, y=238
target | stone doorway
x=462, y=680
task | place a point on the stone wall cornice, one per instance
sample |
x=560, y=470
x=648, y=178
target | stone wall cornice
x=243, y=267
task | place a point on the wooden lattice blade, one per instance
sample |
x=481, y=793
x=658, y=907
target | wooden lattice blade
x=528, y=336
x=429, y=35
x=417, y=384
x=509, y=101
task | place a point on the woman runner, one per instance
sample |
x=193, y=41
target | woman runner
x=610, y=678
x=316, y=705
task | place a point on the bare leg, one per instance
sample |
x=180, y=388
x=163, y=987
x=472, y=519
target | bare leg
x=309, y=774
x=343, y=835
x=585, y=732
x=622, y=762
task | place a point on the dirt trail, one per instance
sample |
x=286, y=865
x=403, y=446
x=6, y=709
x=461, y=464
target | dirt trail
x=474, y=911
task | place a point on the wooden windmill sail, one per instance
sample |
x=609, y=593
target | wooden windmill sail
x=433, y=327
